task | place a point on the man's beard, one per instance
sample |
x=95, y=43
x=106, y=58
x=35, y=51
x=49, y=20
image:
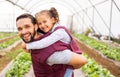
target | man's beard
x=31, y=37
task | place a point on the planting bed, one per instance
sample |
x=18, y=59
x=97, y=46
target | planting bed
x=7, y=54
x=7, y=38
x=8, y=44
x=112, y=65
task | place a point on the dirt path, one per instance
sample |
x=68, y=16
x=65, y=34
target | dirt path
x=4, y=58
x=78, y=73
x=7, y=38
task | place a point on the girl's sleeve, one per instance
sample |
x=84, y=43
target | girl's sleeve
x=47, y=41
x=62, y=57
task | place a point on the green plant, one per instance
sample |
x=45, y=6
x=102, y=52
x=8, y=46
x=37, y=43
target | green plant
x=110, y=52
x=92, y=69
x=21, y=65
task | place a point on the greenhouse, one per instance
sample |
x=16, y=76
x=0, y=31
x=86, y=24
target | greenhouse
x=94, y=24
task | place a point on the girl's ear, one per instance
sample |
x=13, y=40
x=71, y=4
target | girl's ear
x=53, y=20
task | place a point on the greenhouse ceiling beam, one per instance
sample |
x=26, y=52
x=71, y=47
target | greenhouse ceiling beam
x=1, y=1
x=48, y=3
x=63, y=3
x=100, y=16
x=91, y=6
x=27, y=3
x=84, y=12
x=17, y=5
x=116, y=5
x=17, y=1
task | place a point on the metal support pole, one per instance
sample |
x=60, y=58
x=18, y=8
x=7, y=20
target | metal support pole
x=110, y=23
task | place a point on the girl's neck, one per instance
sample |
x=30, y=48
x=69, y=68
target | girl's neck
x=37, y=35
x=55, y=25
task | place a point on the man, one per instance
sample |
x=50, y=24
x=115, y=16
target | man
x=27, y=30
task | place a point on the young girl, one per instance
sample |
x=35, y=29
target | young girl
x=48, y=21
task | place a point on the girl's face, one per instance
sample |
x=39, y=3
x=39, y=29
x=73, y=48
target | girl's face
x=45, y=23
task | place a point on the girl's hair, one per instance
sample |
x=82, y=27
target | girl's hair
x=51, y=13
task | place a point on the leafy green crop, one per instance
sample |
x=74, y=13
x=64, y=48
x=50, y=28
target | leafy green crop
x=6, y=34
x=110, y=52
x=92, y=69
x=9, y=42
x=21, y=65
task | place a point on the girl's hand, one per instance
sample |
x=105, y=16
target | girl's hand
x=24, y=47
x=28, y=51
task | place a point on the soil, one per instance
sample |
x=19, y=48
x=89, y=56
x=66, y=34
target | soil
x=111, y=65
x=5, y=60
x=7, y=38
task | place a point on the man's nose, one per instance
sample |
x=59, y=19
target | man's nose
x=24, y=31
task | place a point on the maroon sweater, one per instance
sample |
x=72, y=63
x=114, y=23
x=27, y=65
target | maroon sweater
x=39, y=57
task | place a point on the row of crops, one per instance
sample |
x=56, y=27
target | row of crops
x=22, y=63
x=110, y=52
x=92, y=69
x=6, y=34
x=9, y=42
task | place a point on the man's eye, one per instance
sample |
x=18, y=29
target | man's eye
x=27, y=26
x=19, y=29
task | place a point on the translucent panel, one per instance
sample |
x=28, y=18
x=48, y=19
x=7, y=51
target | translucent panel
x=73, y=5
x=23, y=3
x=1, y=1
x=82, y=13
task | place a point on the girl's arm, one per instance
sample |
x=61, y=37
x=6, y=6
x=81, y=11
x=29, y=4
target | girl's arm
x=67, y=57
x=77, y=60
x=47, y=41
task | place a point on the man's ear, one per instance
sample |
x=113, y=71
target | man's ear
x=36, y=27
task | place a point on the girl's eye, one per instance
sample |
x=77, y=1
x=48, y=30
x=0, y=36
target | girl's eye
x=44, y=21
x=39, y=23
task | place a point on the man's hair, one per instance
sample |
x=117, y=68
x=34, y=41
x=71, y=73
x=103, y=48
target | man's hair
x=26, y=15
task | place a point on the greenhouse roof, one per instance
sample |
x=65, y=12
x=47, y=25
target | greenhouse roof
x=72, y=5
x=101, y=15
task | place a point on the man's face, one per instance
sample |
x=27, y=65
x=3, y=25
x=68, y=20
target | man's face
x=26, y=29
